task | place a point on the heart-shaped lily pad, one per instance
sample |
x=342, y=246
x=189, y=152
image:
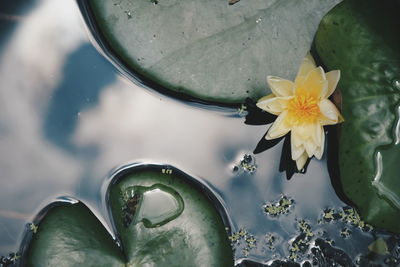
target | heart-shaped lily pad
x=161, y=219
x=208, y=49
x=360, y=37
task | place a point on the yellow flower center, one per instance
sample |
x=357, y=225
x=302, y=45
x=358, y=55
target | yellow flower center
x=302, y=109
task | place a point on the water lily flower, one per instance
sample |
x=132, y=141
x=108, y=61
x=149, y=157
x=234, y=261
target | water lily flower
x=303, y=108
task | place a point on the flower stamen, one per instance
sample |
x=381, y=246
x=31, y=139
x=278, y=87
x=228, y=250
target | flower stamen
x=303, y=108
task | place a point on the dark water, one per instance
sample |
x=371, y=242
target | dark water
x=68, y=119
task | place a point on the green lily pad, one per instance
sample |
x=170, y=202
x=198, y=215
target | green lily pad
x=160, y=219
x=360, y=37
x=208, y=49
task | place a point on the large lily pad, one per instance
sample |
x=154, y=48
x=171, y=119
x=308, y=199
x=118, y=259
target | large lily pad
x=208, y=49
x=360, y=37
x=160, y=220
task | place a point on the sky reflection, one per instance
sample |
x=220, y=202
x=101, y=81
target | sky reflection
x=67, y=119
x=32, y=169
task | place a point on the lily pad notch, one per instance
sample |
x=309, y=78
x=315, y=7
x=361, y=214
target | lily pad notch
x=173, y=220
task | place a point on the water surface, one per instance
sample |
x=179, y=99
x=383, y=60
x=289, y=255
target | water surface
x=68, y=118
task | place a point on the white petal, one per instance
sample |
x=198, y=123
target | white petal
x=301, y=161
x=320, y=149
x=333, y=78
x=279, y=128
x=306, y=66
x=279, y=86
x=330, y=112
x=266, y=97
x=296, y=146
x=295, y=139
x=319, y=139
x=273, y=105
x=308, y=136
x=310, y=147
x=319, y=131
x=305, y=131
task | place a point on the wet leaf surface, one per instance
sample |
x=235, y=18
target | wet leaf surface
x=360, y=39
x=209, y=50
x=172, y=223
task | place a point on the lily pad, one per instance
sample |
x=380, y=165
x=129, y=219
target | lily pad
x=360, y=37
x=160, y=220
x=207, y=50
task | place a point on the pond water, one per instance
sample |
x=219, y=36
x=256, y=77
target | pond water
x=69, y=118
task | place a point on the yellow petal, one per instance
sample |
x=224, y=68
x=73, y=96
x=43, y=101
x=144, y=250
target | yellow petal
x=333, y=78
x=301, y=161
x=314, y=84
x=273, y=105
x=331, y=114
x=279, y=86
x=279, y=128
x=306, y=66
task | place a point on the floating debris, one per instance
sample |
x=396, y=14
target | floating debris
x=128, y=14
x=10, y=260
x=305, y=228
x=350, y=216
x=166, y=171
x=236, y=237
x=346, y=215
x=379, y=246
x=131, y=200
x=232, y=2
x=242, y=111
x=248, y=163
x=345, y=232
x=243, y=239
x=281, y=207
x=270, y=240
x=251, y=241
x=302, y=242
x=121, y=5
x=329, y=215
x=32, y=227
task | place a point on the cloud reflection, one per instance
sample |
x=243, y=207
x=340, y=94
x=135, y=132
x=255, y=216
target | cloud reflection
x=30, y=69
x=130, y=124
